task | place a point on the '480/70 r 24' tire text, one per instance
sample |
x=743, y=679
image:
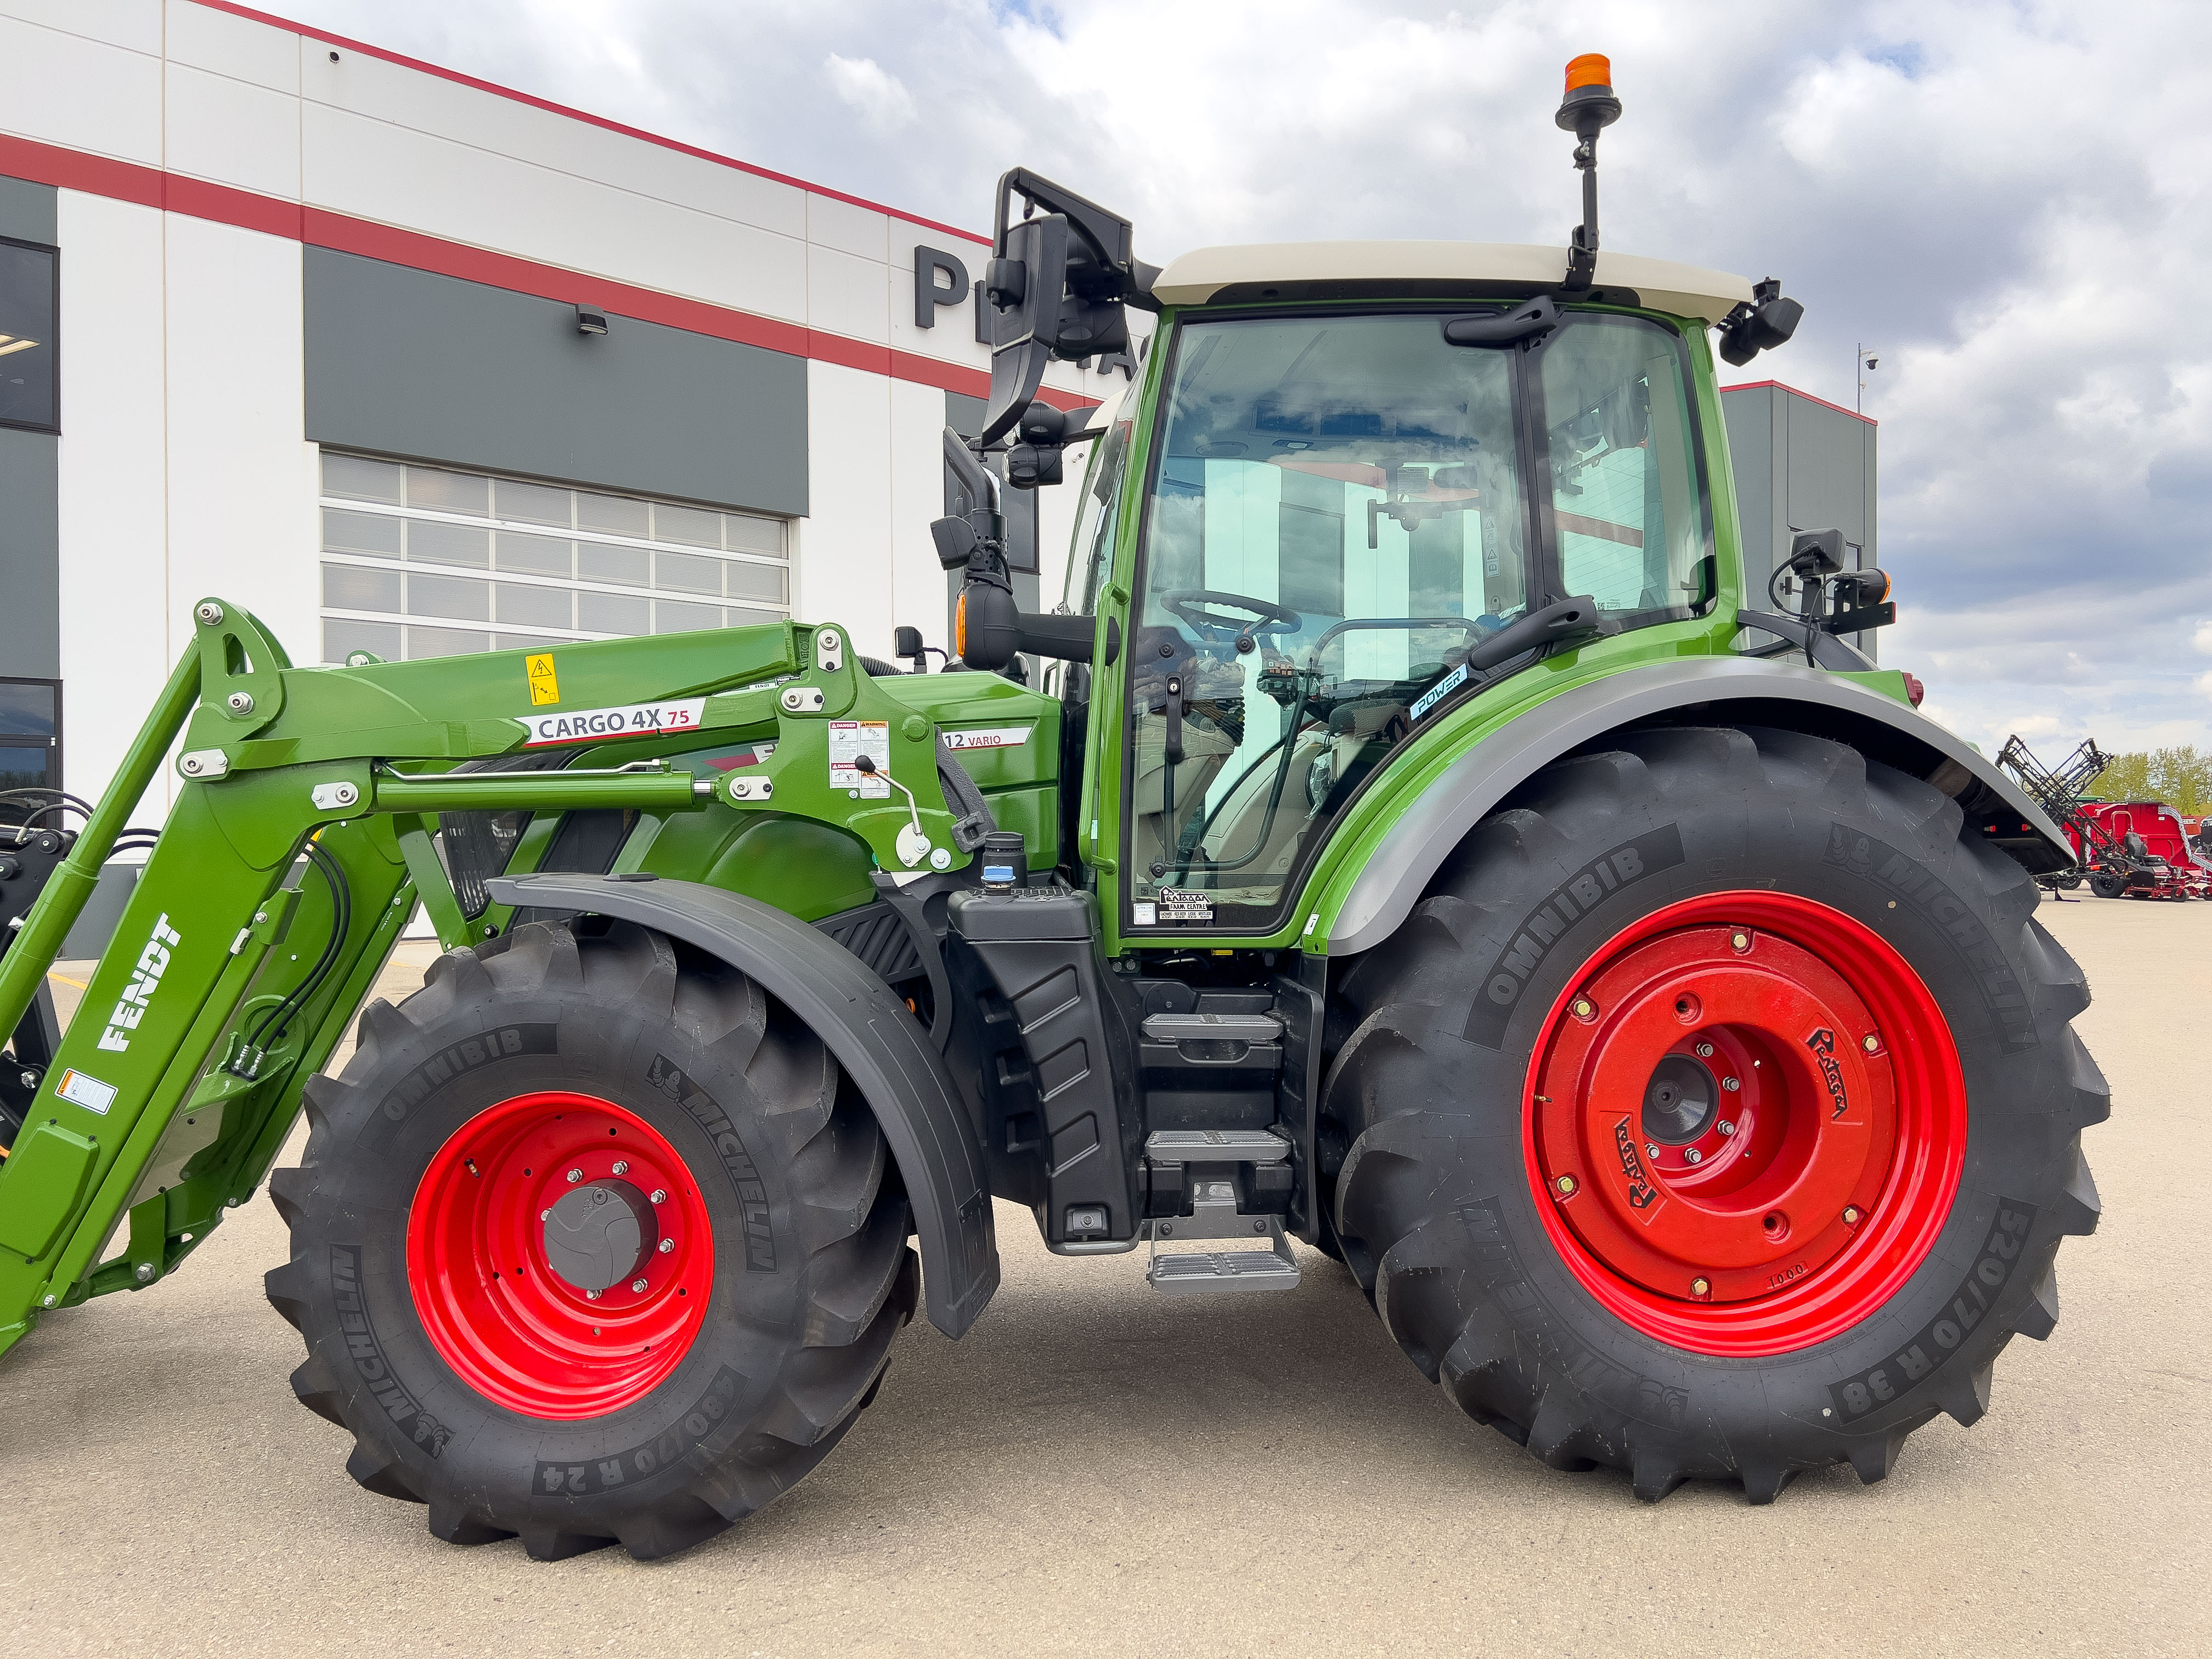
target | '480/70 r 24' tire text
x=593, y=1242
x=1717, y=1114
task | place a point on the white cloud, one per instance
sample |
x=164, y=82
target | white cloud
x=1988, y=193
x=884, y=104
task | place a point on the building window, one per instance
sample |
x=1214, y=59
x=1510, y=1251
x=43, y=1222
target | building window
x=30, y=330
x=30, y=750
x=426, y=562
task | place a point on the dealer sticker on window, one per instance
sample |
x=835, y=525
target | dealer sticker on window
x=1183, y=904
x=849, y=741
x=637, y=719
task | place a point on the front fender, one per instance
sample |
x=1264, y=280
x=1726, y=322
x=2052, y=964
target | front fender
x=1737, y=690
x=878, y=1042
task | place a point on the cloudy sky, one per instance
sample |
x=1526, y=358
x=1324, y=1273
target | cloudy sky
x=2007, y=201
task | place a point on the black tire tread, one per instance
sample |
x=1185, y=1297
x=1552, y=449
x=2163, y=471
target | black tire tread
x=1383, y=1194
x=864, y=1279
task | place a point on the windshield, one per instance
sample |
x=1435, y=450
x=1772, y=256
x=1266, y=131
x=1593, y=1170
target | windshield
x=1338, y=514
x=1340, y=510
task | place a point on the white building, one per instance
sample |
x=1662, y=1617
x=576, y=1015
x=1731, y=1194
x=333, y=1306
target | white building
x=312, y=336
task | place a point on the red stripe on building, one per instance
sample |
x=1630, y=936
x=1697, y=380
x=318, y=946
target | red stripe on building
x=565, y=111
x=196, y=198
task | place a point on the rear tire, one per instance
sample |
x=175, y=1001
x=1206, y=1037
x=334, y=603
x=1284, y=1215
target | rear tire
x=2107, y=886
x=1481, y=1270
x=650, y=1400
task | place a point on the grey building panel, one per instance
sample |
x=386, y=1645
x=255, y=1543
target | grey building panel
x=405, y=362
x=28, y=211
x=1800, y=465
x=30, y=554
x=1751, y=420
x=30, y=489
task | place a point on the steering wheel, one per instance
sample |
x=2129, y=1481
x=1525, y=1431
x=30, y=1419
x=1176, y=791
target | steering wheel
x=1192, y=605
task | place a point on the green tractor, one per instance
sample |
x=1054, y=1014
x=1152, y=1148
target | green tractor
x=1424, y=846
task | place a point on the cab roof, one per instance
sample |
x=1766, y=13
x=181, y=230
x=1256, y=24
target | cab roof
x=1364, y=270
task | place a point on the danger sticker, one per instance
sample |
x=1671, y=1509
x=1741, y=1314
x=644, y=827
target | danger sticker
x=596, y=725
x=849, y=740
x=89, y=1092
x=544, y=684
x=988, y=737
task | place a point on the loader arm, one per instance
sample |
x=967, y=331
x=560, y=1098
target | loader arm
x=302, y=836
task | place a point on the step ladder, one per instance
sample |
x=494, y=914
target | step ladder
x=1214, y=1215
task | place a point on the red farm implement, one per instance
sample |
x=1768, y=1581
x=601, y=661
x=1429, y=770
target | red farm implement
x=2170, y=864
x=2115, y=855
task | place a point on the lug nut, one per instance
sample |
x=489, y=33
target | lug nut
x=591, y=1296
x=1871, y=1042
x=1726, y=1127
x=1694, y=1156
x=1700, y=1287
x=666, y=1245
x=574, y=1175
x=1566, y=1186
x=621, y=1166
x=1704, y=1051
x=545, y=1214
x=660, y=1194
x=1850, y=1215
x=1739, y=943
x=1731, y=1084
x=1650, y=1149
x=1584, y=1008
x=637, y=1284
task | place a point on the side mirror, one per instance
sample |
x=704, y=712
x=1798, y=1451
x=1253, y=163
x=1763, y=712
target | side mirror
x=1767, y=320
x=1816, y=553
x=1059, y=281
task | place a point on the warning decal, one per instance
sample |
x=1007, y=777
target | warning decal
x=849, y=741
x=544, y=684
x=89, y=1092
x=637, y=719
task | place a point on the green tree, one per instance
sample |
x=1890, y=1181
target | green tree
x=2128, y=778
x=2180, y=775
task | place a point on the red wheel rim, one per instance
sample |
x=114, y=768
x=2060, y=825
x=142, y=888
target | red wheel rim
x=498, y=1263
x=1744, y=1123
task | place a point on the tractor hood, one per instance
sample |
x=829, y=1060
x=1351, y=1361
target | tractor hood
x=1358, y=270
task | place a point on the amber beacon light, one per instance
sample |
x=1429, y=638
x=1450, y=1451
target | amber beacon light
x=1588, y=108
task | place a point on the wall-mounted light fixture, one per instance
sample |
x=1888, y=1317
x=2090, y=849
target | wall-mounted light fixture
x=590, y=320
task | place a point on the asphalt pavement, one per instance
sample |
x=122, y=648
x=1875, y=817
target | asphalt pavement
x=1097, y=1469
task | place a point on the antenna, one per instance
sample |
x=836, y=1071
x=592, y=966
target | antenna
x=1588, y=108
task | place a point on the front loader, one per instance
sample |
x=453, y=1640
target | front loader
x=1427, y=852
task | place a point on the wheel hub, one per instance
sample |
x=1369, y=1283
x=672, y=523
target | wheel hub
x=560, y=1255
x=597, y=1236
x=1746, y=1116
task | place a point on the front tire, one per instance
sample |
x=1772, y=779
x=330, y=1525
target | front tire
x=593, y=1242
x=1565, y=1215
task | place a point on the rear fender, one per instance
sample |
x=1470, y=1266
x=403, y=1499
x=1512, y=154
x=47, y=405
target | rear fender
x=1686, y=690
x=882, y=1047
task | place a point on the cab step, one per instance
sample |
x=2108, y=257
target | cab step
x=1214, y=1271
x=1215, y=1214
